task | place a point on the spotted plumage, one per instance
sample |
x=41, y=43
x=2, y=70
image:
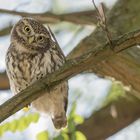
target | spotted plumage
x=33, y=54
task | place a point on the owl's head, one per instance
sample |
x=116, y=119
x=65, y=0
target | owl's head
x=31, y=34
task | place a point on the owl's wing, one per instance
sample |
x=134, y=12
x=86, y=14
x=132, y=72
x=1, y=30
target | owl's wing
x=59, y=48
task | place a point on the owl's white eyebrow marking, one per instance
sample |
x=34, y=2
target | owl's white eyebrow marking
x=26, y=23
x=19, y=33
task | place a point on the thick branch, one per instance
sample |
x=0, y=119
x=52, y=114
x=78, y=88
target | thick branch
x=71, y=68
x=4, y=84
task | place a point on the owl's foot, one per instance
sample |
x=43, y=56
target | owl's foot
x=26, y=108
x=60, y=121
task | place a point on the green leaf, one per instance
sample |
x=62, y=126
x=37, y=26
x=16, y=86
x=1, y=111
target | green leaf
x=73, y=109
x=43, y=135
x=65, y=130
x=80, y=136
x=22, y=124
x=117, y=91
x=19, y=124
x=65, y=136
x=3, y=128
x=34, y=117
x=13, y=125
x=71, y=126
x=59, y=137
x=78, y=119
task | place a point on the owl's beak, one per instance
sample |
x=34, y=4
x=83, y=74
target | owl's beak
x=31, y=39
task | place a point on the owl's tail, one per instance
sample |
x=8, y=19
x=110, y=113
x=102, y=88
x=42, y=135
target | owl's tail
x=60, y=121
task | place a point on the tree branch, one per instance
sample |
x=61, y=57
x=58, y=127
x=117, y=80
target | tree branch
x=83, y=17
x=4, y=83
x=70, y=69
x=6, y=30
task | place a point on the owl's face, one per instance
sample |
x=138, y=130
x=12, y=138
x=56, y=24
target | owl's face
x=31, y=34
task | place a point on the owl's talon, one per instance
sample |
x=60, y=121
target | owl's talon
x=26, y=109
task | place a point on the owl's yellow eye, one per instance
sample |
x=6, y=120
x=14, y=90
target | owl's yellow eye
x=40, y=38
x=27, y=29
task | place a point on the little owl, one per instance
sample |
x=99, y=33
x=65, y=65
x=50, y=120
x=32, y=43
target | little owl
x=34, y=53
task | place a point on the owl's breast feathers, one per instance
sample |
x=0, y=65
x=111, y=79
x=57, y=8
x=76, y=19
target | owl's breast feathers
x=24, y=68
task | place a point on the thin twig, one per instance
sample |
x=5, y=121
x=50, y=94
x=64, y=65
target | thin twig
x=103, y=22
